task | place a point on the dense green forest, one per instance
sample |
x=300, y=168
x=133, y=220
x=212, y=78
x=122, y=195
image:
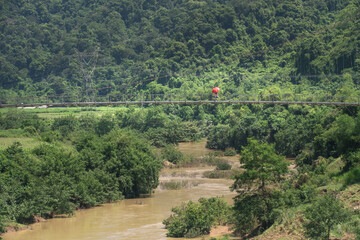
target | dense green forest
x=175, y=46
x=91, y=158
x=154, y=46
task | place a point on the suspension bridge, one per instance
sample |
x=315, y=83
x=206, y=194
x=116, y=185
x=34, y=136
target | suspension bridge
x=186, y=99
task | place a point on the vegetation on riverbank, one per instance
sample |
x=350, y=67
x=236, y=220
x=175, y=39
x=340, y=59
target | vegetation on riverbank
x=193, y=219
x=72, y=167
x=97, y=146
x=309, y=204
x=72, y=158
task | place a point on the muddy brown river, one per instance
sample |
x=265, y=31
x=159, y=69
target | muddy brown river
x=133, y=218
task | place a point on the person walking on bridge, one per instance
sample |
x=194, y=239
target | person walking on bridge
x=215, y=90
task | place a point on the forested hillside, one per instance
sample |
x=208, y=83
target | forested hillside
x=177, y=45
x=56, y=160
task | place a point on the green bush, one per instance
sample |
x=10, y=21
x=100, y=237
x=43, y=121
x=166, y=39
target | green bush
x=50, y=180
x=188, y=160
x=194, y=219
x=2, y=225
x=171, y=185
x=105, y=125
x=352, y=176
x=65, y=125
x=321, y=216
x=30, y=131
x=223, y=166
x=230, y=152
x=171, y=154
x=50, y=136
x=218, y=174
x=351, y=160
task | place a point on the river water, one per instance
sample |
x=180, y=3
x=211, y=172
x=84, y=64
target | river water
x=139, y=218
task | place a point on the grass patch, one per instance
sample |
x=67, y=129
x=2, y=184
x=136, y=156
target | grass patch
x=351, y=197
x=335, y=167
x=52, y=113
x=176, y=185
x=14, y=226
x=229, y=174
x=191, y=161
x=11, y=133
x=210, y=159
x=218, y=174
x=230, y=152
x=26, y=143
x=287, y=226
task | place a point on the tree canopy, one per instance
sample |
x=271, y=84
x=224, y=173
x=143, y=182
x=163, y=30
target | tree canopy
x=49, y=48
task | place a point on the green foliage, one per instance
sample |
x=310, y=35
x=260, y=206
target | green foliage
x=219, y=174
x=230, y=152
x=340, y=138
x=351, y=160
x=211, y=159
x=65, y=125
x=159, y=127
x=194, y=219
x=254, y=213
x=51, y=180
x=132, y=162
x=352, y=176
x=14, y=119
x=256, y=208
x=171, y=154
x=171, y=185
x=223, y=166
x=104, y=125
x=262, y=165
x=168, y=39
x=323, y=215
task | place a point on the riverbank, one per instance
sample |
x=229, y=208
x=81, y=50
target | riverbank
x=133, y=218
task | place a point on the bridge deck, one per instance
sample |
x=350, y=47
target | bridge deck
x=82, y=104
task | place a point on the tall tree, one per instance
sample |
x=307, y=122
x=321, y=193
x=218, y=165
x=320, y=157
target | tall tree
x=263, y=167
x=254, y=207
x=326, y=212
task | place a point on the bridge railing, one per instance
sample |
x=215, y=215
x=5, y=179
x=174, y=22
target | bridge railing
x=183, y=98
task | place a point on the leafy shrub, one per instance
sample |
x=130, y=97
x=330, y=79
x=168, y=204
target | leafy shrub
x=51, y=180
x=223, y=166
x=171, y=185
x=194, y=219
x=30, y=131
x=50, y=136
x=353, y=176
x=230, y=152
x=65, y=125
x=218, y=137
x=2, y=225
x=218, y=174
x=253, y=213
x=319, y=180
x=105, y=125
x=11, y=133
x=171, y=154
x=351, y=160
x=218, y=154
x=325, y=213
x=188, y=160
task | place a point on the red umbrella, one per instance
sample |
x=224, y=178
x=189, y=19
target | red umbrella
x=215, y=90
